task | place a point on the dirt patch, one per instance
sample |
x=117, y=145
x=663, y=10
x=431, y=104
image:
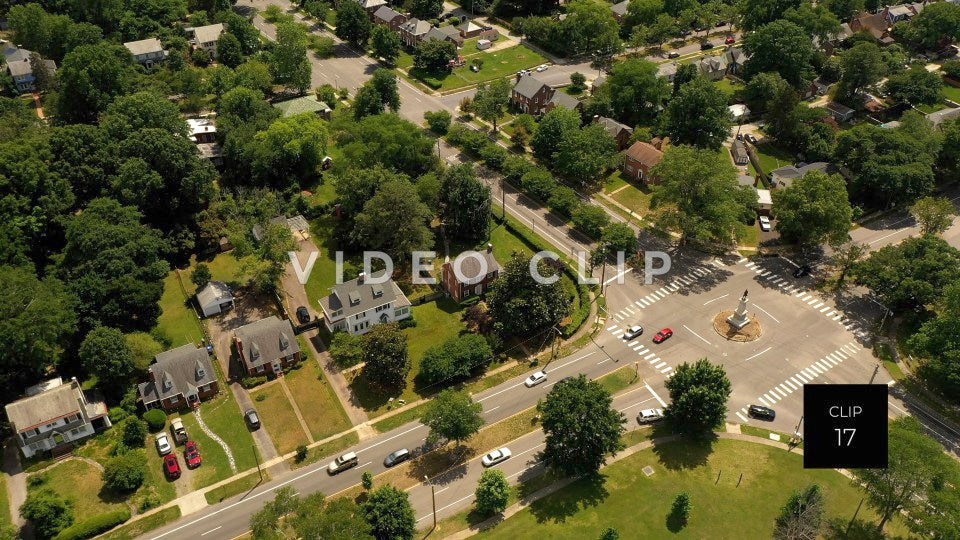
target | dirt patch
x=750, y=332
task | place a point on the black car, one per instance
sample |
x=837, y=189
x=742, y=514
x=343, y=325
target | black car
x=252, y=419
x=303, y=315
x=395, y=457
x=706, y=45
x=761, y=412
x=801, y=271
x=750, y=138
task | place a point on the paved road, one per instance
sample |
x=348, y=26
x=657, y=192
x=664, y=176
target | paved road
x=898, y=226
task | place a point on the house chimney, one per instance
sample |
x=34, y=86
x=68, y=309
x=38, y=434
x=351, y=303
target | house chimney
x=489, y=248
x=360, y=278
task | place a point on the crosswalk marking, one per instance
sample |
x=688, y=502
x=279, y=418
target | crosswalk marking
x=765, y=402
x=785, y=388
x=618, y=331
x=660, y=364
x=611, y=327
x=649, y=356
x=796, y=381
x=841, y=355
x=741, y=417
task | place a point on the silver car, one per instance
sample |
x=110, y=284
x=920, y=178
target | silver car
x=535, y=379
x=497, y=456
x=647, y=416
x=163, y=444
x=633, y=332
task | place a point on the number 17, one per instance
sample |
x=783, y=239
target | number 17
x=843, y=432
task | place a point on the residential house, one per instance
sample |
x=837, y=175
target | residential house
x=20, y=68
x=413, y=31
x=875, y=24
x=901, y=12
x=178, y=378
x=620, y=132
x=371, y=5
x=639, y=159
x=597, y=83
x=735, y=57
x=357, y=305
x=784, y=176
x=203, y=133
x=667, y=70
x=445, y=33
x=839, y=111
x=470, y=29
x=205, y=37
x=147, y=52
x=713, y=68
x=563, y=99
x=815, y=89
x=620, y=10
x=939, y=117
x=267, y=346
x=305, y=104
x=53, y=416
x=388, y=17
x=215, y=298
x=739, y=112
x=530, y=94
x=738, y=151
x=477, y=270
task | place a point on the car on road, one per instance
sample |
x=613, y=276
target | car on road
x=171, y=467
x=343, y=463
x=673, y=54
x=663, y=335
x=751, y=138
x=765, y=224
x=163, y=444
x=761, y=412
x=706, y=46
x=535, y=379
x=396, y=457
x=303, y=315
x=253, y=420
x=801, y=271
x=647, y=416
x=730, y=40
x=191, y=454
x=633, y=332
x=497, y=456
x=541, y=68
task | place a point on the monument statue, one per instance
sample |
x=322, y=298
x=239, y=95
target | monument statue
x=739, y=318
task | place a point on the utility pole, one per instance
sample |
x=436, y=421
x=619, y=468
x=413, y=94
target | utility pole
x=433, y=495
x=256, y=456
x=503, y=200
x=876, y=369
x=854, y=518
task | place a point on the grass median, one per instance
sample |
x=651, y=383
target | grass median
x=236, y=487
x=144, y=525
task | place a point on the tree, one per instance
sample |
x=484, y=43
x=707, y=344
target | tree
x=757, y=13
x=862, y=67
x=762, y=89
x=663, y=28
x=698, y=397
x=802, y=517
x=134, y=432
x=453, y=416
x=385, y=83
x=346, y=349
x=353, y=24
x=680, y=510
x=37, y=321
x=934, y=214
x=935, y=340
x=338, y=519
x=104, y=353
x=434, y=55
x=813, y=209
x=698, y=115
x=265, y=523
x=552, y=129
x=366, y=479
x=229, y=50
x=522, y=306
x=367, y=102
x=636, y=92
x=464, y=202
x=438, y=121
x=289, y=151
x=818, y=21
x=47, y=511
x=590, y=219
x=200, y=275
x=610, y=534
x=394, y=220
x=915, y=86
x=288, y=61
x=581, y=425
x=845, y=9
x=142, y=110
x=578, y=82
x=455, y=358
x=91, y=76
x=930, y=28
x=619, y=237
x=584, y=155
x=125, y=473
x=491, y=100
x=493, y=492
x=254, y=75
x=390, y=514
x=699, y=195
x=44, y=80
x=845, y=256
x=389, y=141
x=914, y=460
x=385, y=355
x=783, y=47
x=426, y=9
x=909, y=275
x=538, y=183
x=385, y=43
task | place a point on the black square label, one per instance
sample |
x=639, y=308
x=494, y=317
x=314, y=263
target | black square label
x=844, y=426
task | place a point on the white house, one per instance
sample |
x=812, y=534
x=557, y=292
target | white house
x=148, y=52
x=20, y=68
x=356, y=306
x=214, y=298
x=205, y=37
x=53, y=416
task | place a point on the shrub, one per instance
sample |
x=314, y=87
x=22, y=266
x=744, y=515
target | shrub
x=125, y=473
x=680, y=511
x=201, y=275
x=409, y=322
x=367, y=480
x=564, y=200
x=952, y=69
x=49, y=512
x=250, y=382
x=346, y=349
x=38, y=479
x=134, y=432
x=156, y=419
x=493, y=156
x=438, y=121
x=260, y=397
x=301, y=453
x=538, y=183
x=201, y=56
x=328, y=94
x=91, y=527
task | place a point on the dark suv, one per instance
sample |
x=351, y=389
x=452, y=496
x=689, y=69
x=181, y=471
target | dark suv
x=761, y=412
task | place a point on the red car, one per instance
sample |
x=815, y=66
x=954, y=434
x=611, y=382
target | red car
x=662, y=335
x=730, y=40
x=191, y=454
x=171, y=466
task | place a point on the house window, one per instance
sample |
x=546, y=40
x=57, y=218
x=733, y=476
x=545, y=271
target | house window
x=175, y=399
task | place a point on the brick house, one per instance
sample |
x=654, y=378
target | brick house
x=620, y=132
x=530, y=94
x=388, y=17
x=413, y=31
x=53, y=416
x=267, y=346
x=477, y=276
x=639, y=159
x=178, y=378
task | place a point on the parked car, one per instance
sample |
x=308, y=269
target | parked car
x=541, y=68
x=497, y=456
x=706, y=46
x=663, y=335
x=535, y=379
x=673, y=54
x=303, y=315
x=163, y=444
x=253, y=420
x=730, y=40
x=647, y=416
x=179, y=432
x=343, y=463
x=761, y=412
x=633, y=332
x=765, y=224
x=801, y=271
x=739, y=136
x=395, y=457
x=191, y=454
x=750, y=138
x=171, y=466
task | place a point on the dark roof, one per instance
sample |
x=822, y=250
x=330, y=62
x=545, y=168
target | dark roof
x=563, y=99
x=528, y=86
x=645, y=153
x=613, y=127
x=739, y=150
x=385, y=13
x=444, y=33
x=470, y=266
x=267, y=340
x=178, y=371
x=356, y=296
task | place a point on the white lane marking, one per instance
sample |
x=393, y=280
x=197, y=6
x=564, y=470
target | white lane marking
x=841, y=355
x=659, y=399
x=493, y=409
x=785, y=388
x=649, y=356
x=374, y=445
x=663, y=291
x=789, y=384
x=659, y=365
x=796, y=381
x=717, y=298
x=630, y=309
x=639, y=304
x=618, y=331
x=826, y=308
x=741, y=417
x=611, y=327
x=758, y=354
x=211, y=530
x=696, y=334
x=767, y=312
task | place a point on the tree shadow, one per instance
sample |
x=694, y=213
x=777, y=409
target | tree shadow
x=586, y=492
x=686, y=453
x=859, y=530
x=675, y=522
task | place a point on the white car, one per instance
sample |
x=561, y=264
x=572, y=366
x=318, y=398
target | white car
x=163, y=444
x=497, y=456
x=541, y=68
x=343, y=463
x=765, y=224
x=535, y=379
x=647, y=416
x=632, y=332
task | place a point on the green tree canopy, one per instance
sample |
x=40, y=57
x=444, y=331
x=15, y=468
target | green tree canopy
x=552, y=129
x=288, y=59
x=91, y=77
x=862, y=66
x=390, y=514
x=802, y=516
x=394, y=220
x=783, y=47
x=698, y=396
x=493, y=492
x=519, y=305
x=815, y=208
x=453, y=416
x=636, y=92
x=915, y=86
x=385, y=355
x=455, y=358
x=385, y=43
x=584, y=155
x=289, y=151
x=465, y=203
x=934, y=214
x=697, y=115
x=104, y=354
x=353, y=24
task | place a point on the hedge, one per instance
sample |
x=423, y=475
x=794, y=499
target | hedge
x=89, y=528
x=156, y=419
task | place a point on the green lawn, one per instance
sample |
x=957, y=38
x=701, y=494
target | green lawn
x=624, y=498
x=236, y=487
x=4, y=504
x=728, y=86
x=952, y=93
x=141, y=526
x=927, y=109
x=614, y=182
x=278, y=418
x=317, y=401
x=773, y=157
x=178, y=321
x=223, y=416
x=633, y=195
x=82, y=483
x=749, y=235
x=496, y=64
x=323, y=275
x=505, y=244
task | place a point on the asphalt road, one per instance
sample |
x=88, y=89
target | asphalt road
x=900, y=225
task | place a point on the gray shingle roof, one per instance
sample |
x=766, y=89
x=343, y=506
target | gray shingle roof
x=620, y=8
x=178, y=371
x=416, y=27
x=212, y=291
x=942, y=116
x=206, y=34
x=354, y=297
x=267, y=340
x=528, y=86
x=386, y=14
x=613, y=127
x=45, y=407
x=470, y=266
x=563, y=99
